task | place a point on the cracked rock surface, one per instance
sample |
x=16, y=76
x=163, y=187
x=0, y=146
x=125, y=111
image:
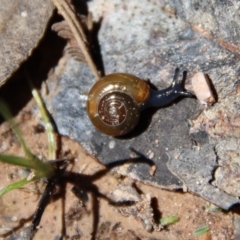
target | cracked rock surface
x=149, y=39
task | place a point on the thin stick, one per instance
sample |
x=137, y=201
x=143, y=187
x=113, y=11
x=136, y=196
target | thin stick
x=77, y=30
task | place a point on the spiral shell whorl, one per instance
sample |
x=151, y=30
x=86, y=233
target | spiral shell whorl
x=113, y=103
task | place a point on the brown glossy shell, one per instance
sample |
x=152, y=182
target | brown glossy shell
x=113, y=103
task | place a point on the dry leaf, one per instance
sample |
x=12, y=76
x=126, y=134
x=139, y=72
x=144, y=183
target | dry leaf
x=64, y=31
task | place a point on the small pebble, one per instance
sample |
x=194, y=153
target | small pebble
x=150, y=154
x=24, y=13
x=203, y=89
x=14, y=219
x=152, y=170
x=112, y=144
x=31, y=176
x=185, y=188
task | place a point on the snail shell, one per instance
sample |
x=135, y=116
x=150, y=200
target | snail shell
x=113, y=103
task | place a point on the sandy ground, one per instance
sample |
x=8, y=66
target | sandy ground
x=73, y=218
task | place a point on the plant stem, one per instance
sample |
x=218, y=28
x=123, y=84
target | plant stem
x=77, y=30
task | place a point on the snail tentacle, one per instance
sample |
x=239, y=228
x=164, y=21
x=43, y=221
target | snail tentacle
x=164, y=97
x=177, y=84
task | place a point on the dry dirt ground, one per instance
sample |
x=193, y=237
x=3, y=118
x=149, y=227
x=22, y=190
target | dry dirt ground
x=67, y=215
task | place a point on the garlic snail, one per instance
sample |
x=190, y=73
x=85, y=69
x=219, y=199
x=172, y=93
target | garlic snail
x=116, y=100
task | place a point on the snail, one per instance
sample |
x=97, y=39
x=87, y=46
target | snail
x=116, y=100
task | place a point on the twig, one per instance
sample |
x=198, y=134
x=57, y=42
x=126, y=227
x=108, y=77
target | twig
x=77, y=30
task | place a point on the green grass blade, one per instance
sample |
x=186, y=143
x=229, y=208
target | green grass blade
x=36, y=175
x=200, y=231
x=13, y=186
x=50, y=129
x=16, y=160
x=4, y=111
x=165, y=221
x=33, y=162
x=42, y=169
x=52, y=146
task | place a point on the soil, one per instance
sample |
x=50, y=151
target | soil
x=66, y=215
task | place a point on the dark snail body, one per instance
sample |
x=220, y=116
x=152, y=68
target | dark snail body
x=116, y=100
